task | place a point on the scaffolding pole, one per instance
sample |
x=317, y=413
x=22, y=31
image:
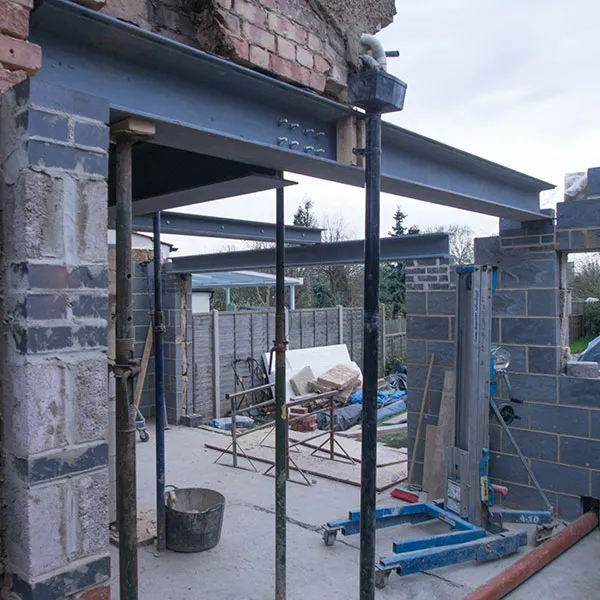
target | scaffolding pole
x=368, y=488
x=376, y=92
x=124, y=373
x=280, y=404
x=159, y=393
x=126, y=367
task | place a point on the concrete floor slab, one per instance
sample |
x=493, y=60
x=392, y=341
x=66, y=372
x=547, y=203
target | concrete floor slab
x=241, y=567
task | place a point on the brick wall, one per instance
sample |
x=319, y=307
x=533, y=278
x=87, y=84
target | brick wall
x=301, y=41
x=18, y=58
x=53, y=349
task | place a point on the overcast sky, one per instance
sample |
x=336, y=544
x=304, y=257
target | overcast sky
x=514, y=81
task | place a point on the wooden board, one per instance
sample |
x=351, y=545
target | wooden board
x=393, y=473
x=139, y=384
x=437, y=438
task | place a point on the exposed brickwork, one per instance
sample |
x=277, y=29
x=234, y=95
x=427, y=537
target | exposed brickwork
x=99, y=593
x=323, y=36
x=18, y=57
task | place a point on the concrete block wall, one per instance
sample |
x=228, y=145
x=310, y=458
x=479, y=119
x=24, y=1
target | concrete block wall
x=178, y=343
x=179, y=351
x=312, y=44
x=141, y=323
x=558, y=430
x=430, y=308
x=54, y=305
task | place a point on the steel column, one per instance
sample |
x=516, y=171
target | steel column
x=159, y=394
x=280, y=406
x=368, y=489
x=124, y=372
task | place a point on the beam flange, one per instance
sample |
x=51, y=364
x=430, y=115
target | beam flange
x=232, y=229
x=406, y=247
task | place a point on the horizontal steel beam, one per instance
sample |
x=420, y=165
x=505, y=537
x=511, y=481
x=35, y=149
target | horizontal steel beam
x=406, y=247
x=203, y=103
x=232, y=229
x=230, y=188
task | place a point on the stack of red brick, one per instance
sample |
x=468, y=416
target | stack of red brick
x=307, y=424
x=18, y=58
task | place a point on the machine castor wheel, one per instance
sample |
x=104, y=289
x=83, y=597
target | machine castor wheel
x=144, y=435
x=329, y=537
x=381, y=579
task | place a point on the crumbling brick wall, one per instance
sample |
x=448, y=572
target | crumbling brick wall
x=309, y=42
x=18, y=58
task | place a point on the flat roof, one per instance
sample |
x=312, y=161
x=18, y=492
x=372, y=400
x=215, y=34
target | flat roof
x=237, y=279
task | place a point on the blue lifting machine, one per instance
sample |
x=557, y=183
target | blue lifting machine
x=477, y=531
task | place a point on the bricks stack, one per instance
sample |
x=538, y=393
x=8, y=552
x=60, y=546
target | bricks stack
x=341, y=378
x=305, y=425
x=18, y=58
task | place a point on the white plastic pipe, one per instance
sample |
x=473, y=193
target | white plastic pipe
x=376, y=48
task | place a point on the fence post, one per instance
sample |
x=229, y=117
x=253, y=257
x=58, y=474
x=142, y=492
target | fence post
x=340, y=324
x=287, y=327
x=383, y=353
x=216, y=366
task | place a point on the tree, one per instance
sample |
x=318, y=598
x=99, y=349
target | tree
x=586, y=279
x=392, y=287
x=461, y=242
x=323, y=298
x=398, y=227
x=304, y=216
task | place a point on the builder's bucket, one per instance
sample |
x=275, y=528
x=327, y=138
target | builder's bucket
x=194, y=517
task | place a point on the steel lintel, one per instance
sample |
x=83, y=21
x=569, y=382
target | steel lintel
x=407, y=247
x=227, y=188
x=168, y=178
x=232, y=229
x=204, y=103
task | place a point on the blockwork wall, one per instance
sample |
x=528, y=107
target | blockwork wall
x=54, y=286
x=559, y=426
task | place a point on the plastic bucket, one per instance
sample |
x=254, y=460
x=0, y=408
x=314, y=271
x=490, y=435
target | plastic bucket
x=194, y=518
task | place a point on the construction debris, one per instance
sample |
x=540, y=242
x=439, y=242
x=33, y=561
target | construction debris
x=308, y=424
x=300, y=381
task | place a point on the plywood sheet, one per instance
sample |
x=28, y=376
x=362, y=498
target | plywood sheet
x=394, y=471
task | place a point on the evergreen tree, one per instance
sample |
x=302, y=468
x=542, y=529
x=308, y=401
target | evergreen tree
x=304, y=216
x=393, y=277
x=323, y=297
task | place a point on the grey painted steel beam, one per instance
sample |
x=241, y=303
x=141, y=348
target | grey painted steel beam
x=407, y=247
x=206, y=193
x=203, y=103
x=233, y=229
